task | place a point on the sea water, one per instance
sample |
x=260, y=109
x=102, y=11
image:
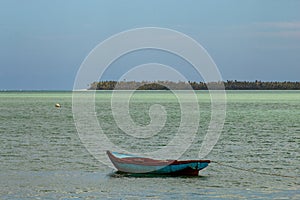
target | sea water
x=257, y=155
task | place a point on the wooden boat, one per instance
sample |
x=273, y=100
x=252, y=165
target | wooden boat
x=140, y=165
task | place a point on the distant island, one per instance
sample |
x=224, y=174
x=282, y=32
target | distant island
x=167, y=85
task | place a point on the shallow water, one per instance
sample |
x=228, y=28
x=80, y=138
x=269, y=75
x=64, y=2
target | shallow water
x=42, y=157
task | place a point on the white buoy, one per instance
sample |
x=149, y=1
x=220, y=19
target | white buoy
x=57, y=105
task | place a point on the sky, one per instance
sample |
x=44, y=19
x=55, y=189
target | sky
x=43, y=43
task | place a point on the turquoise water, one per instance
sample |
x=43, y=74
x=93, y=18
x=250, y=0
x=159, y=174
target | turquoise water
x=42, y=157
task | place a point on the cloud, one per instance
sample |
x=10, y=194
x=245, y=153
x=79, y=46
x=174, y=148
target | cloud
x=281, y=25
x=278, y=29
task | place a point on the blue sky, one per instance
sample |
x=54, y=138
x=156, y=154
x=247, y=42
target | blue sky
x=43, y=43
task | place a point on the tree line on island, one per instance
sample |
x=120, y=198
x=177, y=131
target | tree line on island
x=169, y=85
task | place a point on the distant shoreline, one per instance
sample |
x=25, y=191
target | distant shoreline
x=220, y=85
x=169, y=85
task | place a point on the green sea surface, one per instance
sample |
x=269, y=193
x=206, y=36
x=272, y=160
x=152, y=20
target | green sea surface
x=256, y=157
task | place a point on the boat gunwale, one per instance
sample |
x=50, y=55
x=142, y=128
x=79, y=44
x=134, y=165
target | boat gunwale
x=151, y=162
